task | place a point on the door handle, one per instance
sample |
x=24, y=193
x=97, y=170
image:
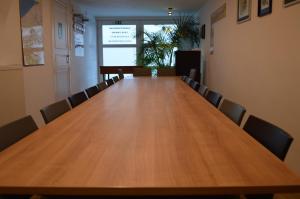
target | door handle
x=68, y=59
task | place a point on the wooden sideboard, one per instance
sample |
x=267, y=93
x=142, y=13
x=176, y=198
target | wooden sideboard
x=107, y=70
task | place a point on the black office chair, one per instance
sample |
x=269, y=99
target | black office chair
x=15, y=131
x=102, y=86
x=214, y=98
x=233, y=111
x=202, y=90
x=116, y=79
x=109, y=82
x=195, y=85
x=120, y=73
x=77, y=99
x=55, y=110
x=188, y=80
x=92, y=91
x=193, y=74
x=270, y=136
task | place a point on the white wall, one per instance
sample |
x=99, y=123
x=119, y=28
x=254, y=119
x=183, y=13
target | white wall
x=84, y=69
x=39, y=80
x=12, y=105
x=25, y=90
x=256, y=64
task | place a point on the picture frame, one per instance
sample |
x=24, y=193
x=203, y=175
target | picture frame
x=203, y=31
x=244, y=10
x=264, y=7
x=32, y=32
x=287, y=3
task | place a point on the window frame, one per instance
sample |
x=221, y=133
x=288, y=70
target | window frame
x=138, y=21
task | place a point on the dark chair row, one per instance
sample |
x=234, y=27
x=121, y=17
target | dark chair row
x=276, y=140
x=272, y=137
x=57, y=109
x=15, y=131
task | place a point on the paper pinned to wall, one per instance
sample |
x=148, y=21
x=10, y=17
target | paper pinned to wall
x=79, y=44
x=32, y=32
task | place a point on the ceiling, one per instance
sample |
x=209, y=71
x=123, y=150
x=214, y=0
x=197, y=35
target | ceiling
x=110, y=8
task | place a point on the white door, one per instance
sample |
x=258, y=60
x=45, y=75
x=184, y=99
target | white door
x=61, y=49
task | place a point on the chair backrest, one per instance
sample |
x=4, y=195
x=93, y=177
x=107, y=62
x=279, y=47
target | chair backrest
x=202, y=90
x=233, y=111
x=142, y=72
x=272, y=137
x=15, y=131
x=214, y=98
x=92, y=91
x=166, y=72
x=116, y=79
x=102, y=86
x=195, y=85
x=77, y=99
x=188, y=80
x=109, y=82
x=55, y=110
x=121, y=73
x=193, y=74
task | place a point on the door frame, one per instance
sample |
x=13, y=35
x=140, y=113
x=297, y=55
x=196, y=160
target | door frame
x=67, y=4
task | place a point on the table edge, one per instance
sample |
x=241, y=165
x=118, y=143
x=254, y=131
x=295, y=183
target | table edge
x=151, y=191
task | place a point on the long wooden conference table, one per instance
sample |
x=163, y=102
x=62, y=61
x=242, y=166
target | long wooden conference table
x=143, y=136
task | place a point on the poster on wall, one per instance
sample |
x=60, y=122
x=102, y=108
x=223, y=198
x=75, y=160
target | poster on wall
x=79, y=30
x=32, y=32
x=244, y=10
x=264, y=7
x=79, y=44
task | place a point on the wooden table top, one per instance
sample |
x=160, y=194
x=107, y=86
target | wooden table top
x=143, y=136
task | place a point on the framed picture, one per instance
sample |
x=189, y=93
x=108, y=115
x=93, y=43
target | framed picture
x=244, y=10
x=203, y=31
x=287, y=3
x=264, y=7
x=32, y=32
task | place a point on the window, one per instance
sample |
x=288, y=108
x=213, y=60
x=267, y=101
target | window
x=119, y=43
x=165, y=28
x=118, y=34
x=120, y=56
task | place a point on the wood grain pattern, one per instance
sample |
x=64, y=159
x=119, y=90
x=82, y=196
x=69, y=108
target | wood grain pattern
x=143, y=136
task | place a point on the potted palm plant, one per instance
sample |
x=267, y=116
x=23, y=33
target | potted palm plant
x=158, y=48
